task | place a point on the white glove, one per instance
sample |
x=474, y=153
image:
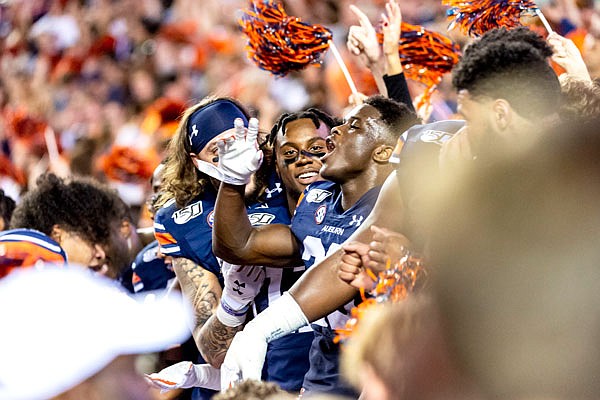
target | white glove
x=246, y=354
x=242, y=284
x=186, y=374
x=239, y=155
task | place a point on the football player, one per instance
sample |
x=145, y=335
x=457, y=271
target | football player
x=506, y=88
x=356, y=164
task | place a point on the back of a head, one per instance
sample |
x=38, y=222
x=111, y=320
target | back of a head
x=395, y=116
x=87, y=322
x=80, y=205
x=581, y=99
x=512, y=65
x=251, y=390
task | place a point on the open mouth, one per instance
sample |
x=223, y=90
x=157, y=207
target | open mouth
x=308, y=177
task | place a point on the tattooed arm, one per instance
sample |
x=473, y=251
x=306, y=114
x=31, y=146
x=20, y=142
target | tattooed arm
x=201, y=288
x=214, y=340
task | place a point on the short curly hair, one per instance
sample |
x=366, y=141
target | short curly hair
x=396, y=116
x=510, y=64
x=80, y=205
x=314, y=114
x=581, y=99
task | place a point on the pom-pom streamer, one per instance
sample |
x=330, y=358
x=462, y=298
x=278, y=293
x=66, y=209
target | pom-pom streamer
x=476, y=17
x=425, y=55
x=391, y=285
x=279, y=43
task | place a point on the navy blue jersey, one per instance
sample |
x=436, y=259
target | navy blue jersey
x=149, y=271
x=287, y=360
x=26, y=248
x=321, y=226
x=187, y=232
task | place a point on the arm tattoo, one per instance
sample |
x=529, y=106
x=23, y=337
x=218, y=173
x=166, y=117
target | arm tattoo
x=200, y=287
x=215, y=339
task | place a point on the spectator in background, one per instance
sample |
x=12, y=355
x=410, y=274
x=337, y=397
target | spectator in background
x=79, y=216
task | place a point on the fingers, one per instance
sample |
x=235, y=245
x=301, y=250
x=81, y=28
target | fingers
x=240, y=129
x=357, y=247
x=252, y=129
x=379, y=234
x=362, y=17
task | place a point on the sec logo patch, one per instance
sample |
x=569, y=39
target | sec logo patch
x=320, y=214
x=210, y=218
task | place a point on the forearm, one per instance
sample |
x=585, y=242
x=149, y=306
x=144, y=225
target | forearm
x=320, y=291
x=214, y=340
x=397, y=89
x=232, y=228
x=378, y=71
x=201, y=288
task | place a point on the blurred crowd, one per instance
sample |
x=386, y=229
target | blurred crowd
x=113, y=157
x=106, y=80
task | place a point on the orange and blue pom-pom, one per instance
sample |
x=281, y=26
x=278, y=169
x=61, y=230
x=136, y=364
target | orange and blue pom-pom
x=476, y=17
x=280, y=43
x=425, y=55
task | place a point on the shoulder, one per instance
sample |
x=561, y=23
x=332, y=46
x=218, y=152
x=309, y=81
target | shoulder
x=421, y=140
x=436, y=132
x=26, y=246
x=318, y=192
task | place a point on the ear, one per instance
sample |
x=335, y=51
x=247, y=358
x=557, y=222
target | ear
x=502, y=113
x=56, y=233
x=194, y=158
x=382, y=153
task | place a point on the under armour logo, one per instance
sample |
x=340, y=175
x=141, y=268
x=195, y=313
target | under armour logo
x=194, y=133
x=238, y=286
x=356, y=220
x=277, y=189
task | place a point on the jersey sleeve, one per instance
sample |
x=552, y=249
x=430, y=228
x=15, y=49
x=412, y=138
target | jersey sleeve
x=168, y=244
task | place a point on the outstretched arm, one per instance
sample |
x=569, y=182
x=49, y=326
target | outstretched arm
x=320, y=290
x=235, y=240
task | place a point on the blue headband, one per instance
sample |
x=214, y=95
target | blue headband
x=208, y=122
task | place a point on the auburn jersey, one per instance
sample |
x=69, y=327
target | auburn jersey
x=321, y=226
x=187, y=232
x=26, y=248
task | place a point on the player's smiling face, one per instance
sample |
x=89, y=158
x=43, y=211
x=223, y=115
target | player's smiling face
x=298, y=153
x=350, y=145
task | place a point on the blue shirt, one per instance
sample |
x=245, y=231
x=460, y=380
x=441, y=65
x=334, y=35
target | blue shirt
x=321, y=226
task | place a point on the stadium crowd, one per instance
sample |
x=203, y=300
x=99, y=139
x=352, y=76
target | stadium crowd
x=180, y=224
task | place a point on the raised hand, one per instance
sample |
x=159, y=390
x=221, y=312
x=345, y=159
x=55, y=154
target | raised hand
x=362, y=40
x=567, y=55
x=239, y=155
x=392, y=21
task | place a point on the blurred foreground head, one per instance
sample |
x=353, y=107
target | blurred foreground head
x=516, y=256
x=69, y=334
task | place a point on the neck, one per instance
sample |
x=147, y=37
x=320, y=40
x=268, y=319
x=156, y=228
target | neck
x=292, y=202
x=355, y=188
